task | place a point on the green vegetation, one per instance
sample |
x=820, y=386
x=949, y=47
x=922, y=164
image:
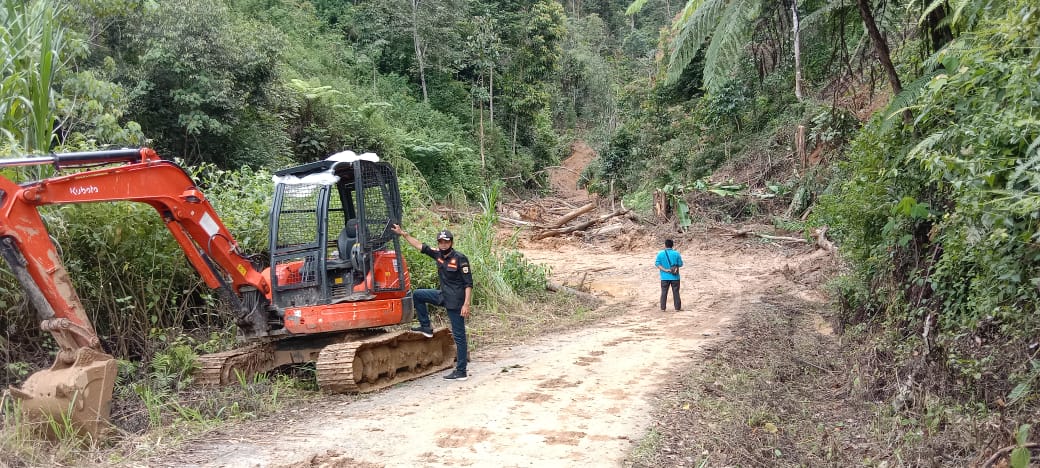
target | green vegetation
x=932, y=200
x=920, y=153
x=940, y=217
x=233, y=90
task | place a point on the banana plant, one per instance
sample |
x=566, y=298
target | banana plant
x=675, y=198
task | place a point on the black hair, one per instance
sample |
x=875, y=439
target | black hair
x=668, y=243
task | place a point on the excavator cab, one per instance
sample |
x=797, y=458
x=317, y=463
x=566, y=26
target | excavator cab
x=331, y=244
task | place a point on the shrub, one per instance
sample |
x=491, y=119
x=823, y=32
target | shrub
x=940, y=219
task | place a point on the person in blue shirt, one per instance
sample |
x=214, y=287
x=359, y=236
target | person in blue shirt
x=668, y=263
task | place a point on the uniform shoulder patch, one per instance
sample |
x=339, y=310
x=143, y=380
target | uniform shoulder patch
x=465, y=269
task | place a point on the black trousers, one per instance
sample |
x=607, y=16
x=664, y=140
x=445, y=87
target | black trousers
x=674, y=284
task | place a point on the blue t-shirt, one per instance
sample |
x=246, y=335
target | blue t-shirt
x=666, y=259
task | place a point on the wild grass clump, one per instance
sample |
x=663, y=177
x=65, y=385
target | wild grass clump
x=23, y=444
x=510, y=299
x=501, y=274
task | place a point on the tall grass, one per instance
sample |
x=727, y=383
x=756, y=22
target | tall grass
x=31, y=41
x=486, y=258
x=501, y=274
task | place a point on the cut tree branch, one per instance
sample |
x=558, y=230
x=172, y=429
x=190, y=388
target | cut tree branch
x=577, y=227
x=569, y=216
x=1006, y=450
x=748, y=232
x=564, y=289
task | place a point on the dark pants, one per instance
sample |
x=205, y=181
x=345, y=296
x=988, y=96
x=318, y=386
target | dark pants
x=674, y=284
x=422, y=297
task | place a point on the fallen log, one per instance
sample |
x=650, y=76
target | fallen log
x=559, y=288
x=748, y=232
x=782, y=238
x=577, y=227
x=569, y=216
x=514, y=222
x=607, y=230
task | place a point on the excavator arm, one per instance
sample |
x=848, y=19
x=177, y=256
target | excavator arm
x=78, y=386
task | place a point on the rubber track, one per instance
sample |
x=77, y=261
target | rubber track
x=381, y=361
x=219, y=368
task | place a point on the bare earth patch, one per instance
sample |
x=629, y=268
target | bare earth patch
x=565, y=177
x=579, y=398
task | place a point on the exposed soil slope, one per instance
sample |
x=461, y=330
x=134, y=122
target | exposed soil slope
x=564, y=178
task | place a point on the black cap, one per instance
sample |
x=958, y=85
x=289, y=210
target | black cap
x=445, y=235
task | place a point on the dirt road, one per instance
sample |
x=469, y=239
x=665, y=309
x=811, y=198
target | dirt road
x=575, y=399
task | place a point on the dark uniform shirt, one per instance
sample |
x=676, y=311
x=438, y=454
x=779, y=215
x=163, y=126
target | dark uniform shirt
x=454, y=274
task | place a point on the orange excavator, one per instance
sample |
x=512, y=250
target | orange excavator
x=336, y=278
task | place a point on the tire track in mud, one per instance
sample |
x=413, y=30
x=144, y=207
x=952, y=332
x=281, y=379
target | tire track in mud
x=580, y=398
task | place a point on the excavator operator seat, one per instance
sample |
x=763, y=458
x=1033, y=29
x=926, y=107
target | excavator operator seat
x=351, y=256
x=354, y=254
x=347, y=239
x=344, y=244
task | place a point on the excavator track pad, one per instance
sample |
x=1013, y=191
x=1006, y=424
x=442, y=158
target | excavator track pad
x=383, y=360
x=239, y=364
x=351, y=363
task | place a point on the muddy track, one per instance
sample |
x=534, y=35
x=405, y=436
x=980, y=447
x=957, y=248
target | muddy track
x=581, y=398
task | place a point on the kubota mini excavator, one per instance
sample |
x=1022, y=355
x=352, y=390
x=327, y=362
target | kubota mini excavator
x=336, y=277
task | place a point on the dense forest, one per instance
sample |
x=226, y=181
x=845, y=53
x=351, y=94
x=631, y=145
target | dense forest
x=910, y=129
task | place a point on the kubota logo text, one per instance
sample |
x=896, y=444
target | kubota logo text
x=85, y=190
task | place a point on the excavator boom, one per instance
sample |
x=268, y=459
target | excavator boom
x=82, y=376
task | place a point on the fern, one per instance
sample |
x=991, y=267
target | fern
x=726, y=47
x=925, y=146
x=635, y=7
x=941, y=62
x=831, y=9
x=702, y=22
x=687, y=11
x=174, y=367
x=910, y=93
x=1030, y=165
x=964, y=14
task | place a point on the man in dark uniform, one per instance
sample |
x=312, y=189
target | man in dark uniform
x=455, y=294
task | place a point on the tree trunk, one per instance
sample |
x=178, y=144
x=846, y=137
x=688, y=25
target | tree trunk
x=579, y=227
x=483, y=164
x=880, y=46
x=573, y=214
x=884, y=55
x=799, y=146
x=939, y=32
x=491, y=94
x=420, y=50
x=797, y=51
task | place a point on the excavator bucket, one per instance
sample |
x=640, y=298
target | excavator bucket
x=74, y=398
